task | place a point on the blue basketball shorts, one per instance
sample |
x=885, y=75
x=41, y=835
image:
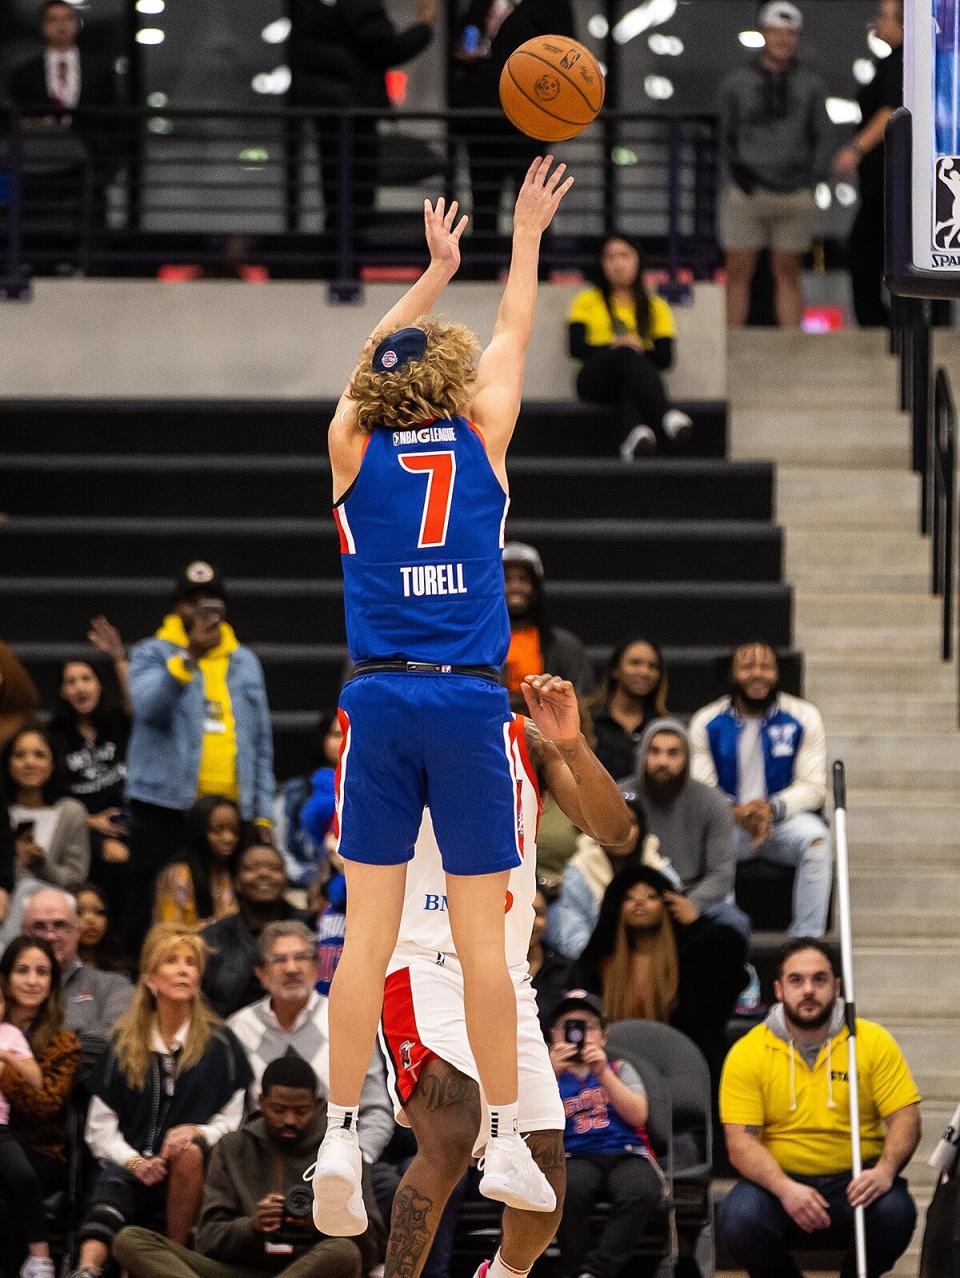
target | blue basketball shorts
x=441, y=741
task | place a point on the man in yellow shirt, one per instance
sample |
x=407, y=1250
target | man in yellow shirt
x=785, y=1108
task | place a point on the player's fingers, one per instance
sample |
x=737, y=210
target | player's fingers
x=439, y=208
x=545, y=170
x=555, y=176
x=534, y=166
x=561, y=191
x=461, y=226
x=451, y=214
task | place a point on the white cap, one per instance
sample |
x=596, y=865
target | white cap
x=518, y=552
x=780, y=13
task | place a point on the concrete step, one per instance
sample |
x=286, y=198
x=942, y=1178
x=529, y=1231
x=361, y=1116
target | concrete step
x=830, y=498
x=901, y=815
x=930, y=1047
x=845, y=559
x=924, y=855
x=895, y=641
x=876, y=759
x=897, y=981
x=870, y=673
x=882, y=609
x=825, y=438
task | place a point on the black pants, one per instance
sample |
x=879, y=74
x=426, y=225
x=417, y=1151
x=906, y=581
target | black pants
x=865, y=263
x=365, y=157
x=22, y=1190
x=622, y=376
x=633, y=1188
x=156, y=838
x=495, y=150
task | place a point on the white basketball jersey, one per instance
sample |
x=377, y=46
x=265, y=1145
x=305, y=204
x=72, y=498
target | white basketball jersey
x=425, y=924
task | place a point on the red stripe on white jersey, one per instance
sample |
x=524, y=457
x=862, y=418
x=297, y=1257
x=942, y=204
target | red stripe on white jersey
x=406, y=1054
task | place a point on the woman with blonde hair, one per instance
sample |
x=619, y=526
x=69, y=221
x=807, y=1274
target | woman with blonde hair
x=171, y=1084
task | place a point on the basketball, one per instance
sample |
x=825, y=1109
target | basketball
x=551, y=88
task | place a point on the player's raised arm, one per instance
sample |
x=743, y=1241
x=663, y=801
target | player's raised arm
x=496, y=401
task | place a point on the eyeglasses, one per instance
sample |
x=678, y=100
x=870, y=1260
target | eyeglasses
x=56, y=927
x=281, y=960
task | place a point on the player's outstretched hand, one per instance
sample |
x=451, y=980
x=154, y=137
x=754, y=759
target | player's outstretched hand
x=540, y=195
x=443, y=235
x=552, y=704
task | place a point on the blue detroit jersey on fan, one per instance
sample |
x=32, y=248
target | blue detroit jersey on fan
x=421, y=536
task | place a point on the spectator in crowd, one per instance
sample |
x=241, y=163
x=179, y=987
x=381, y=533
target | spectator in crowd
x=786, y=1115
x=609, y=1156
x=198, y=889
x=6, y=860
x=93, y=1000
x=863, y=156
x=692, y=822
x=331, y=921
x=548, y=969
x=256, y=1216
x=625, y=338
x=773, y=133
x=18, y=1181
x=487, y=34
x=230, y=980
x=171, y=1085
x=767, y=752
x=63, y=77
x=654, y=955
x=535, y=645
x=30, y=989
x=302, y=845
x=293, y=1018
x=88, y=733
x=573, y=916
x=201, y=725
x=96, y=939
x=19, y=698
x=52, y=843
x=339, y=56
x=634, y=692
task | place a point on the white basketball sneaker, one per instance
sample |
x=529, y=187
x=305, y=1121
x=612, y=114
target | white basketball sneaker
x=677, y=425
x=338, y=1209
x=511, y=1176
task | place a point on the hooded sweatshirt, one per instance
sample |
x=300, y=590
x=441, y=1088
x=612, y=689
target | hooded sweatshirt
x=695, y=829
x=799, y=1098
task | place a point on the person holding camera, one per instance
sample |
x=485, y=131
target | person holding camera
x=201, y=725
x=256, y=1215
x=609, y=1156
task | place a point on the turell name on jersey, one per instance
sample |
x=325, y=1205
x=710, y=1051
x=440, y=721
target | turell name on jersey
x=425, y=435
x=433, y=579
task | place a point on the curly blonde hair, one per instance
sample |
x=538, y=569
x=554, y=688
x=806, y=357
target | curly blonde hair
x=438, y=385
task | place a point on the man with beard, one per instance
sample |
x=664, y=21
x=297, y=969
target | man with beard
x=766, y=751
x=256, y=1209
x=784, y=1102
x=691, y=820
x=536, y=646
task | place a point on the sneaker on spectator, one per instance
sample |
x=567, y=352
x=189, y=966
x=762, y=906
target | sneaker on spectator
x=338, y=1209
x=640, y=442
x=748, y=1001
x=38, y=1267
x=511, y=1176
x=677, y=425
x=85, y=1271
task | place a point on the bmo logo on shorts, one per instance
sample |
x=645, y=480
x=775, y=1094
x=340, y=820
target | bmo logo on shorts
x=435, y=902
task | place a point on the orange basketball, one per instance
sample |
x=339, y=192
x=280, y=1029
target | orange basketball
x=551, y=88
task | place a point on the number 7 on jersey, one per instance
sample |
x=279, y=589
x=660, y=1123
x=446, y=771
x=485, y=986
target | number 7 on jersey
x=440, y=470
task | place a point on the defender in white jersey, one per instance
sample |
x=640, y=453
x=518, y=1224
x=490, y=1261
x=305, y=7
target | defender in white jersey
x=431, y=1071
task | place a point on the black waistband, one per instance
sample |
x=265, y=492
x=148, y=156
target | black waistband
x=425, y=667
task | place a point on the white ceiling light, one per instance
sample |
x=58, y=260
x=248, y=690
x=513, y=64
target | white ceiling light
x=157, y=124
x=276, y=32
x=668, y=46
x=275, y=81
x=751, y=39
x=150, y=35
x=150, y=6
x=843, y=111
x=624, y=155
x=649, y=14
x=864, y=70
x=157, y=100
x=658, y=87
x=879, y=48
x=603, y=68
x=823, y=195
x=845, y=193
x=598, y=26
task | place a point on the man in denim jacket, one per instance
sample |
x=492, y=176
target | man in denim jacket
x=767, y=752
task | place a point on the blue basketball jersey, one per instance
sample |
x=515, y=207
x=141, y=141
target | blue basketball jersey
x=421, y=539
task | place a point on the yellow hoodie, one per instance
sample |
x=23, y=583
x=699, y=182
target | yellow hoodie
x=218, y=759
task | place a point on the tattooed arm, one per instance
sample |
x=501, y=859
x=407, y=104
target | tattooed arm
x=580, y=784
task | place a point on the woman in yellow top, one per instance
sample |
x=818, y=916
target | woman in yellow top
x=197, y=887
x=625, y=337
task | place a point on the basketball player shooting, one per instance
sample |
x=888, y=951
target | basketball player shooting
x=418, y=453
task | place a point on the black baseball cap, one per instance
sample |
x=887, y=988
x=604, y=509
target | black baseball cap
x=198, y=576
x=578, y=1000
x=399, y=348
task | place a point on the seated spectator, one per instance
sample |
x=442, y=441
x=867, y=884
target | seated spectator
x=625, y=338
x=256, y=1215
x=293, y=1018
x=95, y=937
x=609, y=1157
x=548, y=970
x=52, y=843
x=653, y=955
x=303, y=813
x=785, y=1108
x=535, y=645
x=197, y=889
x=573, y=916
x=19, y=698
x=230, y=980
x=6, y=859
x=93, y=1000
x=634, y=693
x=767, y=752
x=331, y=921
x=30, y=989
x=692, y=822
x=172, y=1083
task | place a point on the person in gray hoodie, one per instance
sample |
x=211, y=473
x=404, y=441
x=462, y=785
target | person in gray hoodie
x=692, y=822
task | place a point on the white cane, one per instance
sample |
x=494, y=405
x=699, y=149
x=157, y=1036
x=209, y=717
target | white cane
x=850, y=1008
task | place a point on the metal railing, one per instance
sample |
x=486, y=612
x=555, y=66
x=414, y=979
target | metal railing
x=126, y=190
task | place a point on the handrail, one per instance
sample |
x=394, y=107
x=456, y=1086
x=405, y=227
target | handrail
x=944, y=523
